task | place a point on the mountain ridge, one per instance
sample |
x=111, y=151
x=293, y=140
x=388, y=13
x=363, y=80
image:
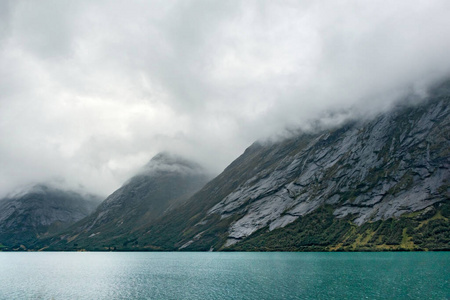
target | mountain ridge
x=243, y=210
x=366, y=185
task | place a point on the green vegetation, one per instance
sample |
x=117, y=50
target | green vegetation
x=426, y=230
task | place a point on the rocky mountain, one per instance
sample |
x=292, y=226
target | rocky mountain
x=376, y=184
x=163, y=184
x=39, y=212
x=396, y=164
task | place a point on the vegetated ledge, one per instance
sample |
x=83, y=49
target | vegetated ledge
x=425, y=230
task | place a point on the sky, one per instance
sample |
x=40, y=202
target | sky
x=90, y=91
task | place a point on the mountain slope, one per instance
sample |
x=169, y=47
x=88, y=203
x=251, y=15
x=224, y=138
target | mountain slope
x=164, y=183
x=396, y=164
x=40, y=211
x=393, y=169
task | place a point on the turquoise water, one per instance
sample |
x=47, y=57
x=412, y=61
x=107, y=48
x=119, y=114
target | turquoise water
x=144, y=275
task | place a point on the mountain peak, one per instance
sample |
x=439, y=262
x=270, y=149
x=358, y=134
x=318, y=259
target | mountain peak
x=36, y=188
x=169, y=162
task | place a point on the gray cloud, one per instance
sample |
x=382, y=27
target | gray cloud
x=90, y=91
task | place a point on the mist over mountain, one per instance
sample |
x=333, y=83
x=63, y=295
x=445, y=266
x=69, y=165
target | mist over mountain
x=39, y=211
x=162, y=185
x=377, y=184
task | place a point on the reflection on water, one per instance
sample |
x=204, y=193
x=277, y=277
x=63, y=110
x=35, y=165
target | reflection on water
x=143, y=275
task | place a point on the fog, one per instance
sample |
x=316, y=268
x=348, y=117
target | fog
x=90, y=91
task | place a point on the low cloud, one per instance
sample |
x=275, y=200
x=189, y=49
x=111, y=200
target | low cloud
x=90, y=91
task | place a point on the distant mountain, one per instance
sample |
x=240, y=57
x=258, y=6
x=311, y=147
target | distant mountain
x=39, y=212
x=164, y=183
x=379, y=184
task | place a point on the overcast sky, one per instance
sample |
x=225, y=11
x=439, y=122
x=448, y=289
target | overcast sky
x=91, y=90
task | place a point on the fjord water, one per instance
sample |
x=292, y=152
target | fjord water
x=157, y=275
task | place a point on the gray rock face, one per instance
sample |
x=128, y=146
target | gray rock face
x=40, y=211
x=393, y=164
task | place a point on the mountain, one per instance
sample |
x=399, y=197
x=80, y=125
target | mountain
x=378, y=184
x=163, y=184
x=39, y=212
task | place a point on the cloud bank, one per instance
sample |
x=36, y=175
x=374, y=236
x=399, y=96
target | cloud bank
x=91, y=90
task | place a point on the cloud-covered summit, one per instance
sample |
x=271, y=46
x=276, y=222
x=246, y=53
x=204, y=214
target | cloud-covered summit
x=89, y=91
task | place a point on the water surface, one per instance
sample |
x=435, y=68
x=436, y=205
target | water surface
x=150, y=275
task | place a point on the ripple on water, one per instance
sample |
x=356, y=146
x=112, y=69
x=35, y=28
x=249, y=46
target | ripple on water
x=187, y=275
